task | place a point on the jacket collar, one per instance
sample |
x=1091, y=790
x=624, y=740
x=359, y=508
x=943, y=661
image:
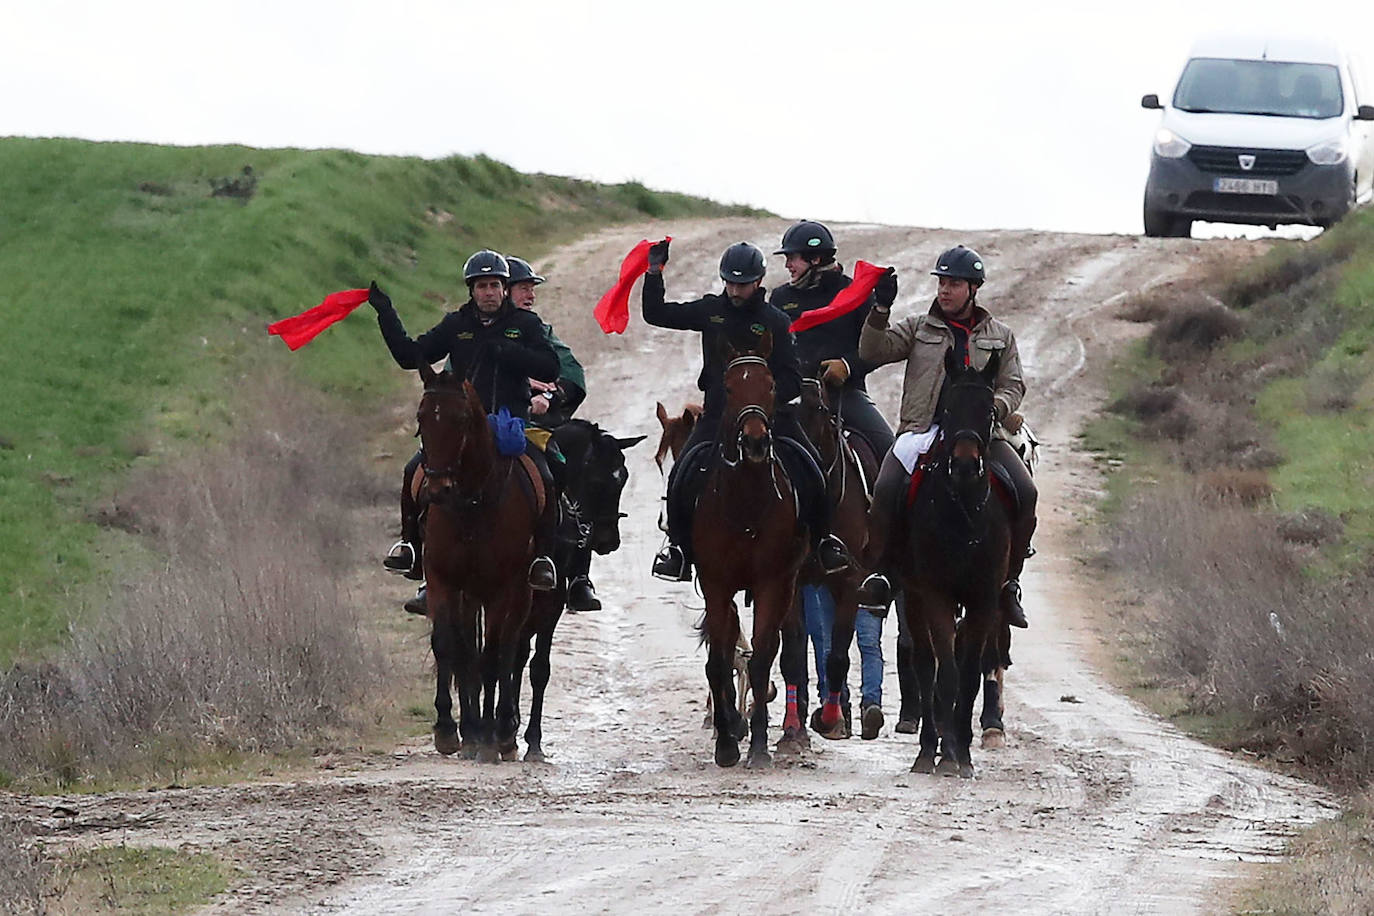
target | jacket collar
x=979, y=317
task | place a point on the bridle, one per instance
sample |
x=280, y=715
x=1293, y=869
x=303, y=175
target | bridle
x=836, y=419
x=447, y=474
x=972, y=514
x=750, y=410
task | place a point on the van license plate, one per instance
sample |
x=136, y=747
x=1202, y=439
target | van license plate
x=1245, y=186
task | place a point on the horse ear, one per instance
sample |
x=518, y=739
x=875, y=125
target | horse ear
x=427, y=373
x=951, y=367
x=631, y=441
x=689, y=417
x=662, y=414
x=994, y=364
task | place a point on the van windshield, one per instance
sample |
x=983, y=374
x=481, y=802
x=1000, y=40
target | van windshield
x=1262, y=87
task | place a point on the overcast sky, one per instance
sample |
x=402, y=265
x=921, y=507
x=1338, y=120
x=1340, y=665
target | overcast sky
x=976, y=115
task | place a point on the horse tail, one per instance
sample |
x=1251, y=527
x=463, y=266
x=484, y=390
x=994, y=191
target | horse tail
x=700, y=627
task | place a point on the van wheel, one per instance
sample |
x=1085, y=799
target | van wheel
x=1160, y=224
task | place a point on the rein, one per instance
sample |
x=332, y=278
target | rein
x=452, y=499
x=752, y=410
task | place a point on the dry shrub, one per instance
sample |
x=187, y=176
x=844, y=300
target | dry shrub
x=1192, y=330
x=1332, y=389
x=1147, y=402
x=241, y=639
x=24, y=871
x=1236, y=486
x=1146, y=307
x=1237, y=624
x=1312, y=527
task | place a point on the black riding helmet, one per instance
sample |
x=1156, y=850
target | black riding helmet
x=520, y=271
x=961, y=262
x=808, y=238
x=742, y=263
x=486, y=263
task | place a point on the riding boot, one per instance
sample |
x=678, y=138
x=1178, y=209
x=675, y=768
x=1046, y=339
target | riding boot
x=543, y=575
x=672, y=562
x=406, y=556
x=1021, y=533
x=888, y=492
x=831, y=551
x=419, y=604
x=581, y=593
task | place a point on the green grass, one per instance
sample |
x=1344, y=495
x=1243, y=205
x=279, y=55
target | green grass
x=146, y=881
x=134, y=301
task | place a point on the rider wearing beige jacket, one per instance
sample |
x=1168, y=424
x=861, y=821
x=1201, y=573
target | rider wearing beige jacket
x=955, y=321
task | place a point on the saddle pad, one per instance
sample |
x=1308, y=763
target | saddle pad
x=910, y=446
x=417, y=484
x=536, y=483
x=1005, y=490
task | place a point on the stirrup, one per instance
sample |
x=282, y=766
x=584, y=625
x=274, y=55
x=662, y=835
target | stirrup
x=875, y=594
x=839, y=559
x=400, y=559
x=671, y=565
x=543, y=577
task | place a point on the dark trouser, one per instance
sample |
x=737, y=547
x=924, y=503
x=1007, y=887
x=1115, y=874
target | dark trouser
x=802, y=463
x=1023, y=525
x=858, y=413
x=889, y=493
x=411, y=531
x=546, y=529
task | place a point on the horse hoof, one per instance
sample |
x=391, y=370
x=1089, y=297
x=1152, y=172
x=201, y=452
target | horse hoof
x=510, y=753
x=837, y=732
x=793, y=743
x=740, y=729
x=727, y=753
x=947, y=767
x=759, y=760
x=488, y=754
x=709, y=721
x=907, y=726
x=994, y=738
x=772, y=691
x=446, y=742
x=965, y=771
x=924, y=765
x=469, y=751
x=534, y=755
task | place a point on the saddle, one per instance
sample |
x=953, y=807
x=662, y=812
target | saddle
x=1002, y=484
x=532, y=476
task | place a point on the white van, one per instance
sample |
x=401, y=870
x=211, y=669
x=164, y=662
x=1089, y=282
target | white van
x=1260, y=131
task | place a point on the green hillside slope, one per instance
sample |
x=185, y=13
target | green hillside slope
x=134, y=297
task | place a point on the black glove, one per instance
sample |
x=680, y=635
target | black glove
x=378, y=299
x=658, y=255
x=886, y=290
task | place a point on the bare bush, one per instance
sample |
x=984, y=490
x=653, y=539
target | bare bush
x=1147, y=402
x=242, y=638
x=1193, y=329
x=1310, y=526
x=1236, y=486
x=1237, y=624
x=24, y=871
x=1332, y=389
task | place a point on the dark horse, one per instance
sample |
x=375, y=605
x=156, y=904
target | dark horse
x=479, y=537
x=746, y=535
x=849, y=473
x=596, y=477
x=954, y=554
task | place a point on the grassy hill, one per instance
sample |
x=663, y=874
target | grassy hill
x=135, y=299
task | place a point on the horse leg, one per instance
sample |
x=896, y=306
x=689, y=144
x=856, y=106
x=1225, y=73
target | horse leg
x=994, y=732
x=446, y=662
x=539, y=680
x=490, y=678
x=946, y=696
x=795, y=737
x=510, y=643
x=771, y=606
x=469, y=677
x=974, y=638
x=722, y=633
x=909, y=718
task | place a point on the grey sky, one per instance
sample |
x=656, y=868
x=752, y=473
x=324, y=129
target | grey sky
x=990, y=114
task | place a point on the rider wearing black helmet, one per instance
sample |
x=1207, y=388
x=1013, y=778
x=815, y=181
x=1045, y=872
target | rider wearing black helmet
x=955, y=321
x=739, y=312
x=497, y=347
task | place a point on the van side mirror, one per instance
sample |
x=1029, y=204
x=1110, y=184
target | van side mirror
x=1152, y=101
x=1365, y=113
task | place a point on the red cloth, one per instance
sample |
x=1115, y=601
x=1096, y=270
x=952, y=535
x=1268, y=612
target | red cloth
x=613, y=311
x=866, y=277
x=299, y=330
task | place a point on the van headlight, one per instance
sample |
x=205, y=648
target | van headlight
x=1170, y=145
x=1328, y=152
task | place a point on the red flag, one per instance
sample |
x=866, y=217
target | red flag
x=866, y=277
x=299, y=330
x=613, y=311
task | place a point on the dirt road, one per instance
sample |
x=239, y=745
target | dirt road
x=1092, y=807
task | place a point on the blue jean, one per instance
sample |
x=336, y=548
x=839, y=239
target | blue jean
x=819, y=608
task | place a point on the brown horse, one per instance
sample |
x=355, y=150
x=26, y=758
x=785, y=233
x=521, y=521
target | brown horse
x=849, y=473
x=479, y=538
x=954, y=554
x=746, y=535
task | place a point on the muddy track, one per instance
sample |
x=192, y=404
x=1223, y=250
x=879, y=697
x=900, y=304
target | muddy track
x=1092, y=807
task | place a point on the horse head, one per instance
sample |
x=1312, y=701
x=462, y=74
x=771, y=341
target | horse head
x=676, y=431
x=454, y=434
x=749, y=401
x=598, y=478
x=966, y=415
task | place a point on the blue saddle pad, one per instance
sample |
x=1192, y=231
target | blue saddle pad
x=509, y=432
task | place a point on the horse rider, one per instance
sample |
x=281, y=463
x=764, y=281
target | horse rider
x=551, y=405
x=739, y=312
x=498, y=348
x=833, y=348
x=954, y=320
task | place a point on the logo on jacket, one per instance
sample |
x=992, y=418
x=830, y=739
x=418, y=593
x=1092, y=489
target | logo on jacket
x=1247, y=162
x=513, y=333
x=465, y=335
x=758, y=329
x=717, y=319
